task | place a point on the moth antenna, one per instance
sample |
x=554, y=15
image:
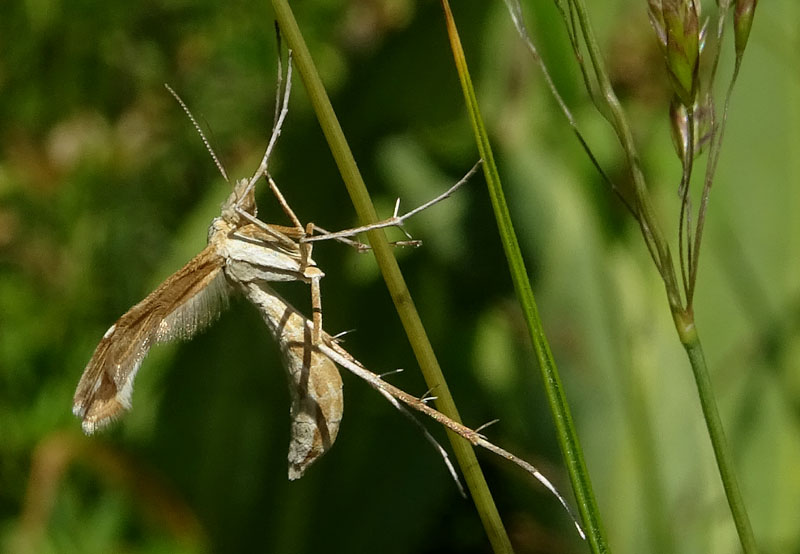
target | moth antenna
x=199, y=131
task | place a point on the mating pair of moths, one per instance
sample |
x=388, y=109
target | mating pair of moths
x=246, y=254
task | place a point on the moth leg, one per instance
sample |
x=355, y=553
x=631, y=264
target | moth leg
x=396, y=220
x=341, y=236
x=323, y=234
x=273, y=186
x=316, y=310
x=281, y=234
x=314, y=274
x=276, y=128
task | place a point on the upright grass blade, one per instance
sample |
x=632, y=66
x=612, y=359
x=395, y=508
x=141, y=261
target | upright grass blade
x=691, y=342
x=609, y=106
x=391, y=273
x=567, y=435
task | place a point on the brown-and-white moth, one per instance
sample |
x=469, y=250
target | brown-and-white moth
x=190, y=300
x=246, y=254
x=241, y=250
x=239, y=245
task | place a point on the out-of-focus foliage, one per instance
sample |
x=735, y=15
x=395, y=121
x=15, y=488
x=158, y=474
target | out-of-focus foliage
x=105, y=189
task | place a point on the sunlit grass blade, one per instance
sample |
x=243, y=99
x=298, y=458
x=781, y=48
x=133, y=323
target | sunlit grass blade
x=391, y=273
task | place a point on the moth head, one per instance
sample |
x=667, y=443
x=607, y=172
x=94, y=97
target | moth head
x=219, y=226
x=240, y=200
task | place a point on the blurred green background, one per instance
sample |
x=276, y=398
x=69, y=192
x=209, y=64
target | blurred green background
x=105, y=190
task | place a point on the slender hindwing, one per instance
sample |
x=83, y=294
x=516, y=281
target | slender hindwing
x=185, y=303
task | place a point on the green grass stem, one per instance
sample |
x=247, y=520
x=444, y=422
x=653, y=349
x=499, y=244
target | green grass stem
x=659, y=248
x=565, y=428
x=691, y=342
x=403, y=302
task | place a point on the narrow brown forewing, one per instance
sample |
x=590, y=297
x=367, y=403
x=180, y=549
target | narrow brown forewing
x=185, y=303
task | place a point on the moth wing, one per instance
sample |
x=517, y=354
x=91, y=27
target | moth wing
x=181, y=306
x=314, y=380
x=317, y=404
x=202, y=305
